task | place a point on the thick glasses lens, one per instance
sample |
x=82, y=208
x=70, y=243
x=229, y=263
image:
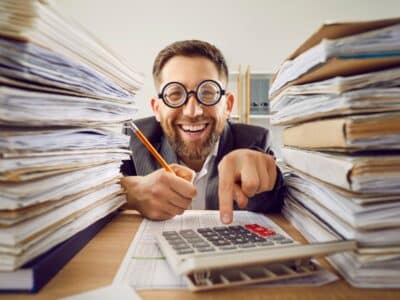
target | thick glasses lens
x=174, y=94
x=209, y=92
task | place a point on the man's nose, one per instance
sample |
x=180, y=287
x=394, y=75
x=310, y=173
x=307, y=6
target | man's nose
x=192, y=108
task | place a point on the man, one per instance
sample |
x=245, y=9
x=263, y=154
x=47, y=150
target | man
x=234, y=167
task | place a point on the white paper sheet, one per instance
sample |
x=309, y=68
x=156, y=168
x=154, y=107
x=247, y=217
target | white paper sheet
x=144, y=266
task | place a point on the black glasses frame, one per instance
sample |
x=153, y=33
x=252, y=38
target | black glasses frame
x=195, y=92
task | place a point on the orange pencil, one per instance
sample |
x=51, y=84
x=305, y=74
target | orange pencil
x=150, y=147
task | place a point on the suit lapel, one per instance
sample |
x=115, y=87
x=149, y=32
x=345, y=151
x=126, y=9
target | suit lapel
x=167, y=152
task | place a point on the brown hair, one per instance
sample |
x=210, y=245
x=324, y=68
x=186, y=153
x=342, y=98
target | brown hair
x=191, y=48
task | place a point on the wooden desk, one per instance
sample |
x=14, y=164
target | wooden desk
x=98, y=262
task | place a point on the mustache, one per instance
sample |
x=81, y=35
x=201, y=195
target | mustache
x=192, y=120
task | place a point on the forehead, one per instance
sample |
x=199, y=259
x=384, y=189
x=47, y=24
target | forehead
x=189, y=71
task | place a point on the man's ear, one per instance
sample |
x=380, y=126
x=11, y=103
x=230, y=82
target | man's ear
x=155, y=106
x=230, y=101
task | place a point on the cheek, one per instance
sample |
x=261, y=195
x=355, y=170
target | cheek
x=219, y=114
x=168, y=117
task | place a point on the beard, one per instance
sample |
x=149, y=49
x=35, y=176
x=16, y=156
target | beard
x=192, y=151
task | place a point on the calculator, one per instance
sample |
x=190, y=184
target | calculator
x=224, y=256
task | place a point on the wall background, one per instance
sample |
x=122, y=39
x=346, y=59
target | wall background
x=261, y=33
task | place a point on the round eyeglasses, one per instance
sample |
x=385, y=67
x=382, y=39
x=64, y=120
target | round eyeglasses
x=208, y=92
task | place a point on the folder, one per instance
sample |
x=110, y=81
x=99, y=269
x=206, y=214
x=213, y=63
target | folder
x=340, y=30
x=361, y=211
x=364, y=173
x=352, y=133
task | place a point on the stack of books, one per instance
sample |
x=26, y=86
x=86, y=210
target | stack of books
x=64, y=99
x=338, y=98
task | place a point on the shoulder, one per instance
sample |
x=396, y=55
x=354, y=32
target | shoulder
x=247, y=135
x=151, y=128
x=239, y=128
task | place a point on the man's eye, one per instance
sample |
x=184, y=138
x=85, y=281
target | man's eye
x=208, y=94
x=174, y=95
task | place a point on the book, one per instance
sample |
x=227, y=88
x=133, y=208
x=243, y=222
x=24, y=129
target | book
x=36, y=273
x=380, y=131
x=364, y=173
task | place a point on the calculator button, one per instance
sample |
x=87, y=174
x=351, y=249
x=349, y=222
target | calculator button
x=204, y=230
x=221, y=228
x=227, y=247
x=173, y=238
x=185, y=251
x=287, y=241
x=278, y=237
x=209, y=249
x=213, y=238
x=266, y=243
x=194, y=240
x=177, y=242
x=181, y=247
x=235, y=227
x=169, y=233
x=208, y=233
x=246, y=246
x=187, y=231
x=239, y=241
x=231, y=236
x=257, y=239
x=201, y=245
x=221, y=243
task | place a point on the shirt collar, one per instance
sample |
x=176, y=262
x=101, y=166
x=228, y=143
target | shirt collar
x=204, y=169
x=209, y=159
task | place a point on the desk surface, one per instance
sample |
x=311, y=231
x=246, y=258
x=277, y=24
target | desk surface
x=96, y=264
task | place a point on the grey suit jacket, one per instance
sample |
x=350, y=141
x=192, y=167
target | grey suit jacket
x=234, y=136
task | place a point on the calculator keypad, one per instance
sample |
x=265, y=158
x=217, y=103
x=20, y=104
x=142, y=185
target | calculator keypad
x=223, y=238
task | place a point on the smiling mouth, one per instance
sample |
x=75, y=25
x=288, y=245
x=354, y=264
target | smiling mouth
x=193, y=128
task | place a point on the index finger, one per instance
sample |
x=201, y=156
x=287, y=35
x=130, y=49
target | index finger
x=226, y=189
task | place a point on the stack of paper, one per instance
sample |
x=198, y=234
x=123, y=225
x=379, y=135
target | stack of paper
x=64, y=99
x=366, y=93
x=341, y=49
x=338, y=96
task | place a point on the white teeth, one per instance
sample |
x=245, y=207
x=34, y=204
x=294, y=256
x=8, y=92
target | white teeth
x=193, y=127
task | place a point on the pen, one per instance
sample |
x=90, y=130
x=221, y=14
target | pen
x=150, y=147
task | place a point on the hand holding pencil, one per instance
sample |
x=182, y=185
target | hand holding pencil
x=163, y=193
x=150, y=147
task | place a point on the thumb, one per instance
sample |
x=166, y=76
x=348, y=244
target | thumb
x=183, y=172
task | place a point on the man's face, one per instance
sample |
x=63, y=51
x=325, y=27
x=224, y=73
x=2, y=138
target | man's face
x=192, y=129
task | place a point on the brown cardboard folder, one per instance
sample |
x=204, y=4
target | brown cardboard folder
x=347, y=133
